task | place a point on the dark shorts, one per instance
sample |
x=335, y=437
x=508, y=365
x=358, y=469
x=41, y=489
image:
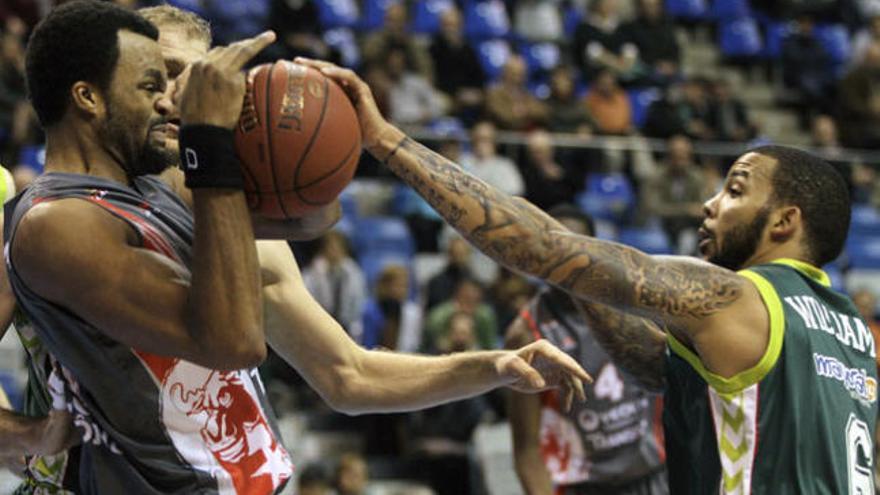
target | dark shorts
x=653, y=484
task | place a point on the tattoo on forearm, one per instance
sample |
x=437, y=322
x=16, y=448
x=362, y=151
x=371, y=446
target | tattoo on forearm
x=520, y=236
x=635, y=344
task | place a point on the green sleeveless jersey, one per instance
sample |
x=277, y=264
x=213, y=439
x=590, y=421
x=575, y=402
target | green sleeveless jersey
x=801, y=421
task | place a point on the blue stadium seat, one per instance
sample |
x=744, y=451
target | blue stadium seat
x=194, y=6
x=723, y=10
x=493, y=55
x=740, y=38
x=389, y=235
x=691, y=10
x=485, y=19
x=540, y=58
x=337, y=13
x=835, y=39
x=649, y=240
x=540, y=88
x=607, y=196
x=836, y=275
x=33, y=157
x=571, y=19
x=640, y=99
x=343, y=40
x=863, y=251
x=426, y=16
x=775, y=33
x=374, y=13
x=865, y=220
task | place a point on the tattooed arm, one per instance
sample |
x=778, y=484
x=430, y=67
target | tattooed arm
x=635, y=344
x=712, y=309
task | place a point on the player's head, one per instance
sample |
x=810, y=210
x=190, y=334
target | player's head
x=184, y=38
x=95, y=74
x=573, y=219
x=776, y=201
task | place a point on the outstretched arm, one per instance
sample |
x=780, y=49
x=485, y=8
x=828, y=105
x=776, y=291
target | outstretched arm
x=357, y=381
x=635, y=344
x=692, y=298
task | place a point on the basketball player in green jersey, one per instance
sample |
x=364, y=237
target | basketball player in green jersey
x=771, y=385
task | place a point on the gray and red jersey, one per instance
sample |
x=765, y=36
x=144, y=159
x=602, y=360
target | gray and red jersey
x=152, y=424
x=615, y=437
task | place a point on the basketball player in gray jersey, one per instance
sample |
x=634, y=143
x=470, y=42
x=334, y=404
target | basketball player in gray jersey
x=611, y=444
x=156, y=423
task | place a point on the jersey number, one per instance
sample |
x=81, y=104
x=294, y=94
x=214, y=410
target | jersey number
x=609, y=384
x=859, y=457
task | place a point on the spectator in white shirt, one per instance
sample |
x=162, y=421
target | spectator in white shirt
x=484, y=161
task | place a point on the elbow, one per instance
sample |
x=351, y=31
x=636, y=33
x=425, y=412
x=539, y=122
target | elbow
x=343, y=394
x=248, y=351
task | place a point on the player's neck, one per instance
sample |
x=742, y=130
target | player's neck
x=789, y=250
x=76, y=151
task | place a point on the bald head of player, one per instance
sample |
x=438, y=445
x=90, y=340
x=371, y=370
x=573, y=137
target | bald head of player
x=99, y=91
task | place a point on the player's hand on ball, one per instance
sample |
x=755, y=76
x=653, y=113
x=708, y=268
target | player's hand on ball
x=542, y=366
x=216, y=84
x=371, y=121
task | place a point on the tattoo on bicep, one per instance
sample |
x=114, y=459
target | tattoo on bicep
x=520, y=236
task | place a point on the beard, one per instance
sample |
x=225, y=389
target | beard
x=138, y=158
x=741, y=242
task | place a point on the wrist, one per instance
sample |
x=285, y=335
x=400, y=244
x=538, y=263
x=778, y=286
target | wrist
x=207, y=156
x=32, y=433
x=385, y=142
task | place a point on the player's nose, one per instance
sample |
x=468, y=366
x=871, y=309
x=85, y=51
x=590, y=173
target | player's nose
x=164, y=105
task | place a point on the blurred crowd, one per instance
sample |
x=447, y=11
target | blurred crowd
x=555, y=79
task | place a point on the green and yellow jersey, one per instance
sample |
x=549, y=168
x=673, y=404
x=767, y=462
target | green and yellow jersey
x=799, y=422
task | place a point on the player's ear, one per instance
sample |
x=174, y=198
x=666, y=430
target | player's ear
x=784, y=222
x=86, y=98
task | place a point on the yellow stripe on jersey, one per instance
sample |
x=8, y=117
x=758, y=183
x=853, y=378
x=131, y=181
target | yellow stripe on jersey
x=807, y=269
x=739, y=382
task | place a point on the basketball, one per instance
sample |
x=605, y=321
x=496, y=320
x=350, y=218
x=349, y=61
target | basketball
x=298, y=140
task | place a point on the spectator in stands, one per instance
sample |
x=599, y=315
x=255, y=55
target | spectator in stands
x=609, y=105
x=458, y=259
x=600, y=44
x=411, y=98
x=866, y=37
x=296, y=24
x=694, y=109
x=441, y=435
x=391, y=319
x=864, y=181
x=675, y=195
x=467, y=298
x=824, y=138
x=728, y=117
x=509, y=103
x=459, y=73
x=352, y=475
x=393, y=33
x=23, y=175
x=484, y=161
x=313, y=480
x=654, y=36
x=15, y=112
x=337, y=282
x=538, y=20
x=566, y=113
x=548, y=183
x=806, y=68
x=859, y=103
x=665, y=116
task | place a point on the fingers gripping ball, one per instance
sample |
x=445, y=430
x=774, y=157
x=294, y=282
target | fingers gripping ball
x=298, y=140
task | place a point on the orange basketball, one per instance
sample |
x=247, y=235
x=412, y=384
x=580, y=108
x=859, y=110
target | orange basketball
x=298, y=140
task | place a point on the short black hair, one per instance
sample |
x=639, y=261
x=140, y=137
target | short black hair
x=76, y=42
x=567, y=210
x=812, y=184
